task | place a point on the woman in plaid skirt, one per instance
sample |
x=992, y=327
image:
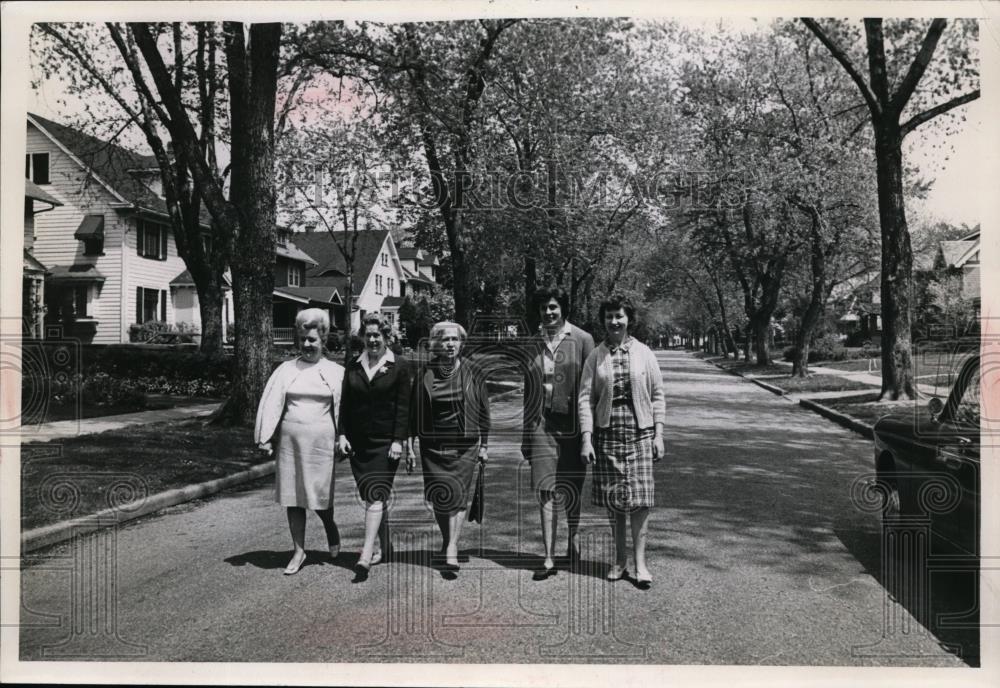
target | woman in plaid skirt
x=622, y=414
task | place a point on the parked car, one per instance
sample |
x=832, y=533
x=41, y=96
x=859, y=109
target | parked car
x=927, y=464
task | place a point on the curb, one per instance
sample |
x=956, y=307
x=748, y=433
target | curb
x=54, y=533
x=58, y=532
x=770, y=388
x=839, y=418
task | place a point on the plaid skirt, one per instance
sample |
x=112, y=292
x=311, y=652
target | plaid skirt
x=623, y=471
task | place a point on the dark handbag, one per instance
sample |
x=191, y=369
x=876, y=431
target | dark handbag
x=478, y=505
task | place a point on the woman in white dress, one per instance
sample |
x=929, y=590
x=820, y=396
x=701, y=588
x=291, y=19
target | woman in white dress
x=296, y=421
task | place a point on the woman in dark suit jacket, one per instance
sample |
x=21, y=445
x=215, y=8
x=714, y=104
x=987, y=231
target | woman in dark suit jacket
x=374, y=420
x=450, y=415
x=551, y=432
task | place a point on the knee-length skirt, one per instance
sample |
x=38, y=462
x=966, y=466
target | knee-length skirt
x=623, y=471
x=555, y=460
x=373, y=471
x=449, y=469
x=304, y=464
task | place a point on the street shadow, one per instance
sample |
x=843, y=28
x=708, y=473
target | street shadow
x=270, y=559
x=939, y=591
x=522, y=561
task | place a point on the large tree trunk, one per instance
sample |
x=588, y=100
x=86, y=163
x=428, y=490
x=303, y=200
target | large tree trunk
x=210, y=300
x=817, y=298
x=253, y=88
x=897, y=266
x=760, y=326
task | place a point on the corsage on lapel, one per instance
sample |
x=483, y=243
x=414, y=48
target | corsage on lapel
x=384, y=370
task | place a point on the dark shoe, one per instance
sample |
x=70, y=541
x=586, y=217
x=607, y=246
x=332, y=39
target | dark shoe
x=644, y=582
x=361, y=570
x=543, y=573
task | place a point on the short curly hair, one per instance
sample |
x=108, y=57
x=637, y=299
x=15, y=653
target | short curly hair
x=382, y=323
x=543, y=295
x=613, y=303
x=313, y=319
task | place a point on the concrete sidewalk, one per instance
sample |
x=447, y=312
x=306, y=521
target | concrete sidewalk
x=46, y=432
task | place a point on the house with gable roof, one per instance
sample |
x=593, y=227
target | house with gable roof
x=379, y=277
x=106, y=252
x=419, y=270
x=109, y=253
x=961, y=257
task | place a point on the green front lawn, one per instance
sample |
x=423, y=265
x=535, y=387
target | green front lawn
x=77, y=476
x=817, y=383
x=860, y=365
x=57, y=412
x=866, y=408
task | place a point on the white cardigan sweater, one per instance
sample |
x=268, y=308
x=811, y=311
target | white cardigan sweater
x=598, y=377
x=272, y=401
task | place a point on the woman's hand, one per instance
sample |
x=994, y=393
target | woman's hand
x=266, y=448
x=395, y=451
x=345, y=447
x=587, y=454
x=483, y=454
x=411, y=454
x=657, y=447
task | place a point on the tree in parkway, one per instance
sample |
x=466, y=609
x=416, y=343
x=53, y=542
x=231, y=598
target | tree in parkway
x=247, y=215
x=897, y=65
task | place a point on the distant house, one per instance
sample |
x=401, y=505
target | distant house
x=961, y=257
x=419, y=271
x=379, y=278
x=107, y=247
x=293, y=292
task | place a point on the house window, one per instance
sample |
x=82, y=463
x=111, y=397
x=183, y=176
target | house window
x=150, y=304
x=378, y=284
x=36, y=167
x=294, y=275
x=392, y=287
x=93, y=246
x=67, y=302
x=391, y=318
x=151, y=240
x=385, y=258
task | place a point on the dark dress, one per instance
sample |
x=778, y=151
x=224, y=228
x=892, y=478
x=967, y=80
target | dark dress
x=373, y=415
x=450, y=415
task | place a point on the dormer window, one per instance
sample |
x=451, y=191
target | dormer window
x=385, y=259
x=36, y=167
x=294, y=275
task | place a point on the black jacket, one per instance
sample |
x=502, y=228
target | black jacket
x=379, y=409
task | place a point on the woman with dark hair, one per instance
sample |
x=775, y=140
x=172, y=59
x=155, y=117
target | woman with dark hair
x=450, y=415
x=374, y=421
x=297, y=413
x=622, y=405
x=551, y=433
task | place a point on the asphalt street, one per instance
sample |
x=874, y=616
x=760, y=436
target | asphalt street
x=760, y=548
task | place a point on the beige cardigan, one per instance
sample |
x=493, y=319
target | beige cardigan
x=647, y=388
x=271, y=409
